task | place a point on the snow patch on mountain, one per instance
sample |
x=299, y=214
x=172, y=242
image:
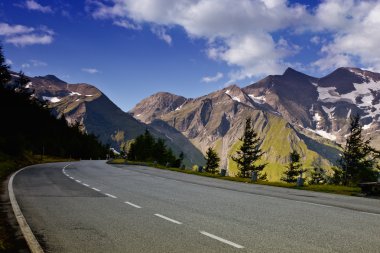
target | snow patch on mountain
x=28, y=85
x=232, y=97
x=363, y=96
x=258, y=99
x=323, y=133
x=329, y=111
x=368, y=126
x=51, y=99
x=75, y=93
x=349, y=114
x=317, y=118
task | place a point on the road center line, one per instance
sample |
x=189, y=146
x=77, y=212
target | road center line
x=370, y=213
x=96, y=189
x=78, y=181
x=310, y=203
x=167, y=218
x=71, y=177
x=110, y=195
x=131, y=204
x=221, y=240
x=86, y=185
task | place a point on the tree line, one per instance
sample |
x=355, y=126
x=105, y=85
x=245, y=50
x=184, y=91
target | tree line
x=28, y=126
x=145, y=148
x=358, y=161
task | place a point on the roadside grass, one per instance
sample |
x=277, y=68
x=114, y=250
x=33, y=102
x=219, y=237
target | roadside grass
x=336, y=189
x=8, y=165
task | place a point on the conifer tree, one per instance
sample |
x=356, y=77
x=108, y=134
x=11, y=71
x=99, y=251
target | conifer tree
x=145, y=148
x=294, y=168
x=318, y=176
x=212, y=161
x=5, y=76
x=358, y=158
x=249, y=153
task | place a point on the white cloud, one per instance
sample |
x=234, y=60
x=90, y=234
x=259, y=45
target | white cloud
x=8, y=61
x=126, y=24
x=244, y=33
x=35, y=6
x=25, y=65
x=160, y=32
x=34, y=63
x=29, y=39
x=239, y=33
x=355, y=26
x=8, y=30
x=20, y=35
x=90, y=70
x=209, y=79
x=315, y=40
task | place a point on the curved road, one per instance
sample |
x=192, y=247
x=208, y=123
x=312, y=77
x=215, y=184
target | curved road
x=93, y=207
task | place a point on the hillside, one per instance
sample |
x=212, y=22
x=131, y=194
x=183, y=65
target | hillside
x=30, y=127
x=218, y=119
x=292, y=111
x=97, y=114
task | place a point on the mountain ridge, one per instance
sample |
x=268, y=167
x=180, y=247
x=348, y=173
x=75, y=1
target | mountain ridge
x=311, y=112
x=87, y=106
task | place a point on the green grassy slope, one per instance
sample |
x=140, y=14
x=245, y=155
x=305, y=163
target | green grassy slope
x=279, y=139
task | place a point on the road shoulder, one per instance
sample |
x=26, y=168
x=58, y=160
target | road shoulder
x=31, y=240
x=12, y=239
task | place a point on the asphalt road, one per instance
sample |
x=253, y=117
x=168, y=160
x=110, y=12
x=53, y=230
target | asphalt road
x=93, y=207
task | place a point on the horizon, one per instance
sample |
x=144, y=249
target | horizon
x=130, y=51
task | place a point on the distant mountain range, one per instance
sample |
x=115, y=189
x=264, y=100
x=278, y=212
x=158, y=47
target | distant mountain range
x=96, y=113
x=292, y=111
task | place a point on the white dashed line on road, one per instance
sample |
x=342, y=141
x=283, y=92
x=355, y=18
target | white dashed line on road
x=96, y=189
x=221, y=240
x=78, y=181
x=167, y=218
x=370, y=213
x=110, y=195
x=131, y=204
x=86, y=185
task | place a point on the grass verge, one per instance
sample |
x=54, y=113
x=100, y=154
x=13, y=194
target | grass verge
x=9, y=241
x=336, y=189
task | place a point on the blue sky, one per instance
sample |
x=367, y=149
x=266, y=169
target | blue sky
x=131, y=49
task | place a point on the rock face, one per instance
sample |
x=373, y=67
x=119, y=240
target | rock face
x=290, y=111
x=324, y=105
x=218, y=120
x=157, y=105
x=96, y=113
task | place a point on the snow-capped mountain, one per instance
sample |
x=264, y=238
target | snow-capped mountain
x=292, y=111
x=323, y=105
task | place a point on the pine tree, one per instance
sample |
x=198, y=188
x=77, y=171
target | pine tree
x=5, y=76
x=249, y=153
x=318, y=176
x=358, y=158
x=212, y=161
x=294, y=168
x=178, y=162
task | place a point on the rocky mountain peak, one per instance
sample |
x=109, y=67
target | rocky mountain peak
x=52, y=78
x=156, y=105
